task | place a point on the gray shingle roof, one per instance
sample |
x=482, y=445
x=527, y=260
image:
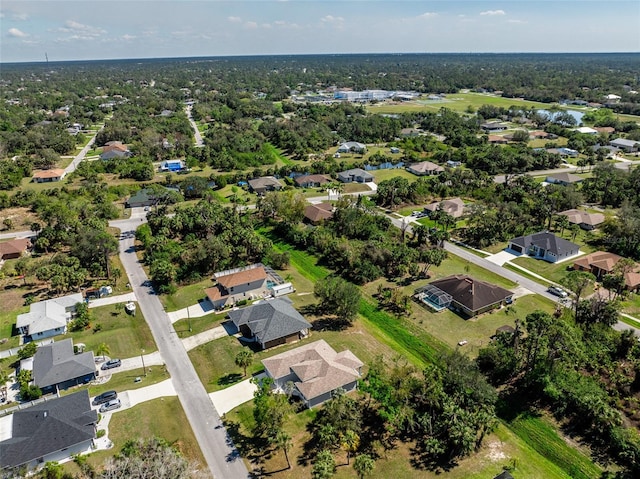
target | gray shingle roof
x=547, y=241
x=269, y=320
x=49, y=427
x=55, y=363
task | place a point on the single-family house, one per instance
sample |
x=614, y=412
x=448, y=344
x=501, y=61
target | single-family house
x=238, y=284
x=471, y=296
x=452, y=206
x=585, y=130
x=49, y=176
x=270, y=323
x=608, y=150
x=311, y=181
x=352, y=147
x=316, y=371
x=55, y=366
x=629, y=146
x=263, y=184
x=544, y=245
x=601, y=263
x=355, y=175
x=605, y=129
x=498, y=140
x=453, y=163
x=318, y=213
x=564, y=179
x=172, y=165
x=493, y=126
x=394, y=150
x=540, y=135
x=425, y=168
x=586, y=221
x=48, y=318
x=115, y=149
x=143, y=197
x=14, y=248
x=409, y=132
x=50, y=431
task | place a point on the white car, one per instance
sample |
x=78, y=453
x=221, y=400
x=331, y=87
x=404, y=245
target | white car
x=555, y=290
x=111, y=405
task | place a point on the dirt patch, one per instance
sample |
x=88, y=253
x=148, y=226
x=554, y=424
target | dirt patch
x=21, y=218
x=494, y=451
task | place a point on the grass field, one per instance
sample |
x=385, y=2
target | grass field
x=162, y=418
x=551, y=271
x=198, y=325
x=382, y=175
x=631, y=305
x=124, y=381
x=542, y=437
x=125, y=334
x=186, y=295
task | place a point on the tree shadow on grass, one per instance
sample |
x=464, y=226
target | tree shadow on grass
x=329, y=323
x=229, y=379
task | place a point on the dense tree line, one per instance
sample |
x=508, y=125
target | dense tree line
x=197, y=241
x=580, y=368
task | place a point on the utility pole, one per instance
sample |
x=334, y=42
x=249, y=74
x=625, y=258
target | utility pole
x=144, y=369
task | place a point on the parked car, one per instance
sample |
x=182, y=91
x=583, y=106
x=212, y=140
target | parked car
x=111, y=405
x=555, y=290
x=112, y=363
x=105, y=397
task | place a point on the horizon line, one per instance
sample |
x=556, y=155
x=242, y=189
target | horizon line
x=263, y=55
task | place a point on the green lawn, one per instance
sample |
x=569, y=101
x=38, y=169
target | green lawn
x=383, y=175
x=125, y=334
x=163, y=417
x=542, y=437
x=631, y=305
x=551, y=271
x=197, y=325
x=7, y=323
x=187, y=295
x=123, y=381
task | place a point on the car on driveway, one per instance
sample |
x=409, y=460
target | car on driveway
x=556, y=291
x=105, y=397
x=111, y=405
x=112, y=363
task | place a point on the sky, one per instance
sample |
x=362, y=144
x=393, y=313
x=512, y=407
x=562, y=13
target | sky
x=112, y=29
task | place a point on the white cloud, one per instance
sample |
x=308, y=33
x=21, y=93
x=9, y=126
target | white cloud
x=493, y=12
x=14, y=32
x=234, y=19
x=516, y=21
x=331, y=19
x=251, y=25
x=266, y=25
x=428, y=15
x=79, y=31
x=128, y=37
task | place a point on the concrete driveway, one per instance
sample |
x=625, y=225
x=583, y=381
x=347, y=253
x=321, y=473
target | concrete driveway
x=121, y=298
x=233, y=396
x=501, y=257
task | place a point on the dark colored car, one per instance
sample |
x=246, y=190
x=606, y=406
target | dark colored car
x=105, y=397
x=112, y=363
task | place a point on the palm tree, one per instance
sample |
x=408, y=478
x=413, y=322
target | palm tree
x=244, y=359
x=283, y=441
x=103, y=349
x=363, y=465
x=350, y=442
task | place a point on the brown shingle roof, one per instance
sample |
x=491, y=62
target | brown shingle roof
x=472, y=293
x=453, y=206
x=319, y=212
x=54, y=173
x=14, y=246
x=318, y=367
x=600, y=259
x=228, y=281
x=304, y=179
x=425, y=166
x=578, y=217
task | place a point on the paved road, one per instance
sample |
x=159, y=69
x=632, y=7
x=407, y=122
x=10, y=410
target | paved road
x=80, y=156
x=196, y=132
x=221, y=455
x=17, y=234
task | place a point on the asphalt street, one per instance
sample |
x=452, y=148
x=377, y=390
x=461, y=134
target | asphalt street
x=217, y=447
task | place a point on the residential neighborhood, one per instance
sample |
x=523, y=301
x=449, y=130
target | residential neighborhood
x=316, y=266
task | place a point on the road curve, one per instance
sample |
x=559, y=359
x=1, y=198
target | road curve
x=527, y=283
x=217, y=447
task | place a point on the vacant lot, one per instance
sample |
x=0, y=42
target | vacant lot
x=125, y=335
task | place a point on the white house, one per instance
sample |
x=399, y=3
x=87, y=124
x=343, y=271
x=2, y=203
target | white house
x=48, y=318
